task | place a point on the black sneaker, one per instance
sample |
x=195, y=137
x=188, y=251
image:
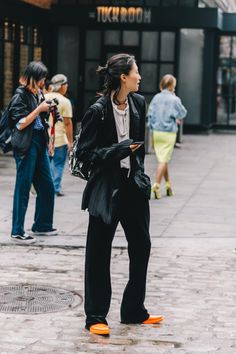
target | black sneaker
x=60, y=194
x=23, y=238
x=52, y=232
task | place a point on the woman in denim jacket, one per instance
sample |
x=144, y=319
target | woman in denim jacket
x=164, y=114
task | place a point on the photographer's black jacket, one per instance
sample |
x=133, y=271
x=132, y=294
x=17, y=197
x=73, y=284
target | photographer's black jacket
x=22, y=104
x=98, y=143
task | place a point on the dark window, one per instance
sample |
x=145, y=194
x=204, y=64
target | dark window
x=155, y=53
x=152, y=3
x=226, y=81
x=169, y=2
x=112, y=37
x=188, y=3
x=157, y=59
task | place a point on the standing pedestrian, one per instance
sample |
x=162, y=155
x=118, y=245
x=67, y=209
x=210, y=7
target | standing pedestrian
x=47, y=87
x=63, y=130
x=33, y=166
x=118, y=190
x=164, y=113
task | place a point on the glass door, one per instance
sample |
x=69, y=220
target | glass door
x=99, y=46
x=155, y=53
x=226, y=82
x=158, y=57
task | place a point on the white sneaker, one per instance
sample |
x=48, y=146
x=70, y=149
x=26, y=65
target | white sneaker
x=33, y=191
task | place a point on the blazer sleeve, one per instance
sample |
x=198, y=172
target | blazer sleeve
x=88, y=149
x=140, y=153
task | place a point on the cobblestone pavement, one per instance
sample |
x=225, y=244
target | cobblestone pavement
x=194, y=290
x=191, y=278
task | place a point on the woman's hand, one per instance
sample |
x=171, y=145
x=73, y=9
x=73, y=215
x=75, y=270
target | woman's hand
x=51, y=146
x=44, y=107
x=70, y=146
x=134, y=147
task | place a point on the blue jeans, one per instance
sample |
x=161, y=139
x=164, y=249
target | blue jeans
x=34, y=167
x=57, y=166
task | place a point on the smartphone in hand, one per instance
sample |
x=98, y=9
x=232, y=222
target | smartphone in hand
x=138, y=143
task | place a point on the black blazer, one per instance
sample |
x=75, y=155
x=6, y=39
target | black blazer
x=98, y=144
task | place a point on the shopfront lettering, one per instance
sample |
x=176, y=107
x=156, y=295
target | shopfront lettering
x=114, y=14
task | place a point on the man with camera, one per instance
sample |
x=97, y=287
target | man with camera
x=61, y=133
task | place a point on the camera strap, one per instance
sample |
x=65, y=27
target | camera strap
x=53, y=123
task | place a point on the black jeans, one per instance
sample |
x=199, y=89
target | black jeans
x=134, y=218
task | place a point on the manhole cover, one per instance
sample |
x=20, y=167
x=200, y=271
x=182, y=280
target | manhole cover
x=36, y=299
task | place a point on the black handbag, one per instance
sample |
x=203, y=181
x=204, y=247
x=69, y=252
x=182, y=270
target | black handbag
x=21, y=139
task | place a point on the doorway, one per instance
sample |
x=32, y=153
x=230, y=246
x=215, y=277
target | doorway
x=226, y=81
x=155, y=53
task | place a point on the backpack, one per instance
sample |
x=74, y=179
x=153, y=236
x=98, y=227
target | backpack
x=79, y=168
x=5, y=131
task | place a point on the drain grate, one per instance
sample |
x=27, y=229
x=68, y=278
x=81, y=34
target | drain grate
x=36, y=299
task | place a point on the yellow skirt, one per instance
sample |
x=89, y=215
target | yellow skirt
x=163, y=145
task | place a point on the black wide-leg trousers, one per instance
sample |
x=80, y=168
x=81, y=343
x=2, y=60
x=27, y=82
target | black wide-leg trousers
x=134, y=217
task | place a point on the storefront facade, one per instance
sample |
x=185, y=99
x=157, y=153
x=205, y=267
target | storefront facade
x=23, y=38
x=163, y=40
x=194, y=44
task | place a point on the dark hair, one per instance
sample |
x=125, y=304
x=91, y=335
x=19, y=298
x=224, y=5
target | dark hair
x=34, y=72
x=110, y=73
x=47, y=84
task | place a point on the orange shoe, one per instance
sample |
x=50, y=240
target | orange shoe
x=100, y=328
x=153, y=319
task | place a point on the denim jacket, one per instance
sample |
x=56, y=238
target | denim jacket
x=163, y=111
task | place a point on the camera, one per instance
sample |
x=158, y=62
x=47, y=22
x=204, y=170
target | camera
x=54, y=110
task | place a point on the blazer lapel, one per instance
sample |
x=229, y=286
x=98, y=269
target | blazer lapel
x=134, y=120
x=111, y=125
x=109, y=134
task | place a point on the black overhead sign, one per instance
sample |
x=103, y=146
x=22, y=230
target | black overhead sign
x=115, y=14
x=139, y=17
x=179, y=17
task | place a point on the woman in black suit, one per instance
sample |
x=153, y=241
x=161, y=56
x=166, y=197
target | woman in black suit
x=118, y=190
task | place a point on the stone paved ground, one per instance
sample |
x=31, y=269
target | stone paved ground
x=194, y=290
x=191, y=279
